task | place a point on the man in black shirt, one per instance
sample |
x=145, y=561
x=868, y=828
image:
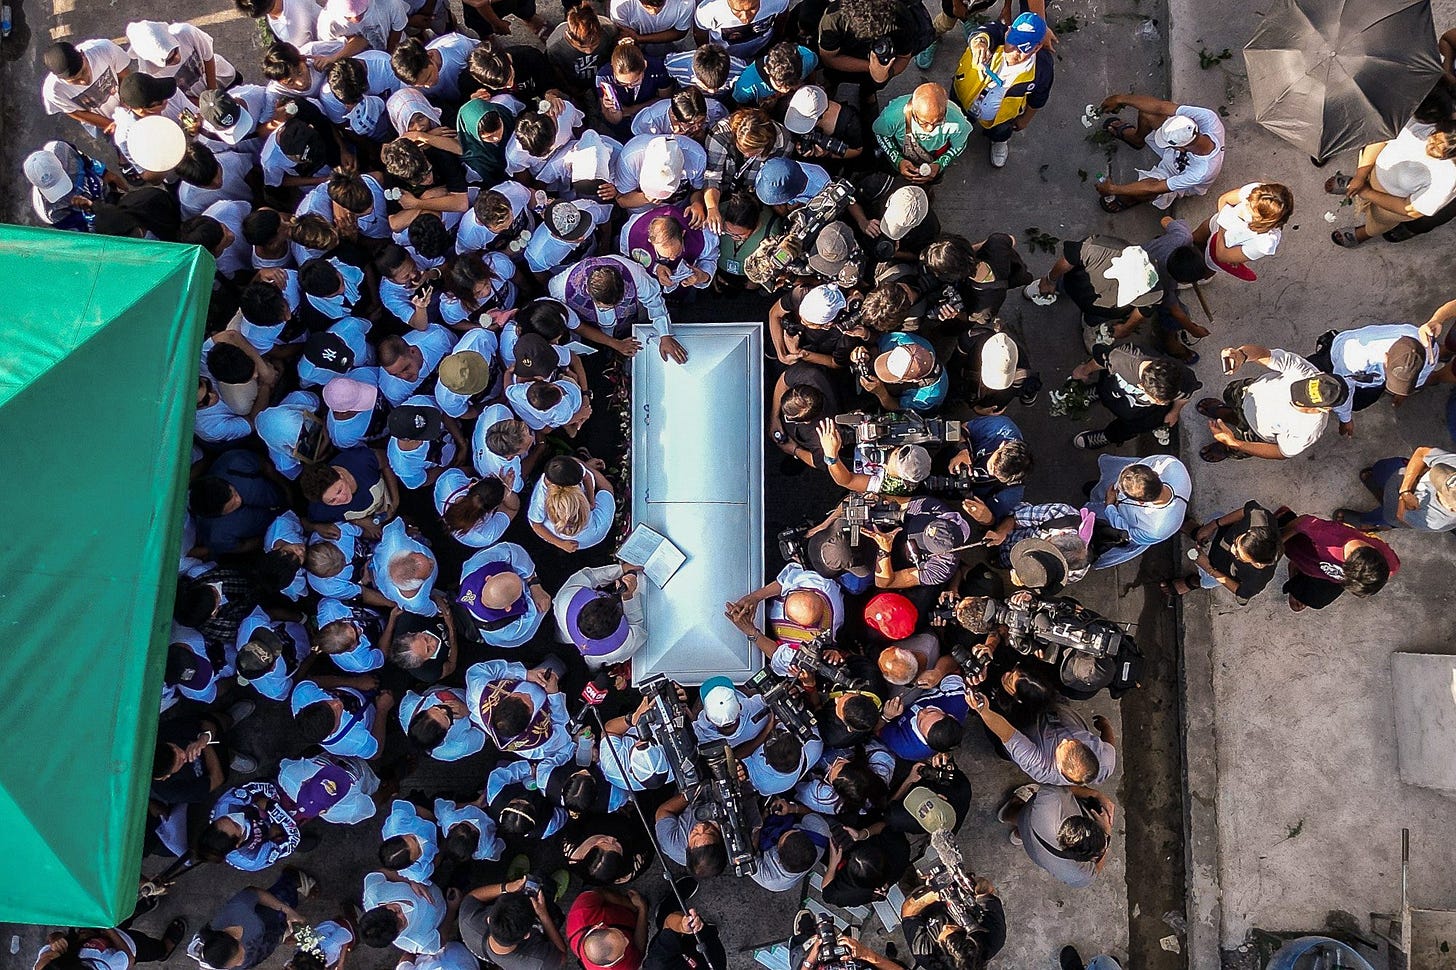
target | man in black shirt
x=937, y=942
x=1238, y=551
x=1143, y=392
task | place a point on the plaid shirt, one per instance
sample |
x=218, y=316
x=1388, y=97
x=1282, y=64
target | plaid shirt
x=727, y=166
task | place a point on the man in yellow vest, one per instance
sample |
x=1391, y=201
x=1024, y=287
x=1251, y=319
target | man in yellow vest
x=1004, y=79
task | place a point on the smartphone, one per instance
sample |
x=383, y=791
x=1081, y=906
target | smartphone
x=1229, y=364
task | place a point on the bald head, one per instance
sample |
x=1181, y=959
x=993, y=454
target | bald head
x=501, y=590
x=806, y=608
x=604, y=946
x=409, y=571
x=899, y=666
x=927, y=104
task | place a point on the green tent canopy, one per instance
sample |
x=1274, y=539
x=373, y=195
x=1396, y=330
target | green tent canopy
x=98, y=370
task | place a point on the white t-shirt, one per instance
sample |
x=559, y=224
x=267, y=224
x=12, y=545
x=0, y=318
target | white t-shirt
x=742, y=40
x=1234, y=221
x=1270, y=413
x=296, y=22
x=1404, y=170
x=674, y=15
x=106, y=62
x=235, y=168
x=383, y=18
x=195, y=49
x=1199, y=171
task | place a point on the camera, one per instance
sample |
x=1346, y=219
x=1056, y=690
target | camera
x=1041, y=624
x=809, y=658
x=782, y=256
x=824, y=141
x=794, y=543
x=667, y=721
x=884, y=49
x=833, y=955
x=962, y=485
x=724, y=805
x=786, y=701
x=858, y=513
x=972, y=664
x=947, y=874
x=947, y=302
x=876, y=435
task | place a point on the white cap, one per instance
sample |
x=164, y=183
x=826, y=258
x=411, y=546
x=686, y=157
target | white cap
x=805, y=109
x=822, y=304
x=905, y=209
x=151, y=41
x=662, y=168
x=721, y=705
x=998, y=362
x=1176, y=132
x=48, y=175
x=646, y=761
x=156, y=143
x=1134, y=273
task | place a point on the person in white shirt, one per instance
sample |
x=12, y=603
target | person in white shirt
x=1278, y=415
x=572, y=505
x=1187, y=139
x=1247, y=225
x=291, y=21
x=743, y=26
x=1398, y=180
x=600, y=610
x=179, y=51
x=82, y=82
x=1394, y=357
x=361, y=25
x=209, y=177
x=655, y=24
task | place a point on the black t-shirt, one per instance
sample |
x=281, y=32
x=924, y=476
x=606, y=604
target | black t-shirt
x=804, y=434
x=447, y=169
x=433, y=669
x=670, y=950
x=626, y=829
x=189, y=784
x=1251, y=579
x=533, y=72
x=363, y=464
x=1087, y=284
x=954, y=788
x=836, y=34
x=920, y=933
x=830, y=341
x=1125, y=365
x=845, y=891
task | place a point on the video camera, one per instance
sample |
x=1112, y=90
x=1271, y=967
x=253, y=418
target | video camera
x=785, y=700
x=1038, y=628
x=876, y=435
x=833, y=955
x=783, y=256
x=724, y=805
x=667, y=721
x=809, y=657
x=858, y=513
x=956, y=887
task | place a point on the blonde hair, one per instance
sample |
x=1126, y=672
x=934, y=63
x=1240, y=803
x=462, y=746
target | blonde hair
x=1271, y=205
x=567, y=507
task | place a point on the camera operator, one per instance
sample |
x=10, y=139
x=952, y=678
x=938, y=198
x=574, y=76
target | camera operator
x=915, y=661
x=808, y=951
x=512, y=928
x=1059, y=748
x=936, y=794
x=684, y=941
x=903, y=373
x=790, y=842
x=938, y=942
x=1066, y=831
x=692, y=841
x=812, y=323
x=776, y=766
x=804, y=395
x=995, y=462
x=824, y=131
x=996, y=370
x=927, y=553
x=901, y=474
x=979, y=274
x=863, y=863
x=932, y=723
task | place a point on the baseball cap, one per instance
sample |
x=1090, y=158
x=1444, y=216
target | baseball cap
x=535, y=357
x=138, y=90
x=328, y=351
x=1320, y=391
x=45, y=171
x=831, y=555
x=932, y=812
x=465, y=372
x=1176, y=132
x=834, y=247
x=891, y=615
x=156, y=143
x=999, y=358
x=151, y=41
x=1038, y=564
x=905, y=209
x=646, y=762
x=344, y=394
x=781, y=181
x=893, y=365
x=1026, y=32
x=567, y=221
x=662, y=168
x=943, y=534
x=720, y=701
x=226, y=117
x=913, y=463
x=822, y=304
x=415, y=422
x=1134, y=272
x=805, y=108
x=1403, y=364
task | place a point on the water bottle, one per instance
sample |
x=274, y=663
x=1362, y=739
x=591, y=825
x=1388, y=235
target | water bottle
x=584, y=742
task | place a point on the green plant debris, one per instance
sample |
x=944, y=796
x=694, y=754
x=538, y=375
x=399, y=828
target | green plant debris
x=1068, y=25
x=1103, y=139
x=1082, y=174
x=1040, y=241
x=1294, y=830
x=1208, y=60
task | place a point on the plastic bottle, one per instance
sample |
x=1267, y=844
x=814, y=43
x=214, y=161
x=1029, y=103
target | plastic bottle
x=584, y=742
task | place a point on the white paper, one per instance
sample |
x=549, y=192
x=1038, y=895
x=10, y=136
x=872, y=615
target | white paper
x=654, y=552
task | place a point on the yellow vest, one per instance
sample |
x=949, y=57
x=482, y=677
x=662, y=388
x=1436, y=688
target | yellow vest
x=971, y=80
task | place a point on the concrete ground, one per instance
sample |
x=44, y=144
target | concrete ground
x=1295, y=802
x=1134, y=909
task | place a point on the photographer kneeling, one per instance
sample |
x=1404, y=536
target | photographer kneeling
x=814, y=945
x=938, y=942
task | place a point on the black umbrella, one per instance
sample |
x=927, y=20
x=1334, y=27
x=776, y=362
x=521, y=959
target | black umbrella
x=1327, y=75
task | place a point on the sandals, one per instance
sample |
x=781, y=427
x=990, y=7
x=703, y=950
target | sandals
x=1170, y=588
x=1214, y=408
x=1118, y=129
x=1015, y=802
x=1032, y=291
x=1214, y=453
x=1345, y=238
x=175, y=933
x=1111, y=203
x=1337, y=184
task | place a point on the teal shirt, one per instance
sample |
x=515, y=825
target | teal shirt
x=942, y=144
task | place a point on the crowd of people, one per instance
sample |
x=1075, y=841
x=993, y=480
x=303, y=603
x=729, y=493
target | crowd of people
x=437, y=251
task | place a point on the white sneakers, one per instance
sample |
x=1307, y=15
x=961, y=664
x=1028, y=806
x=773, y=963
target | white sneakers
x=1000, y=151
x=1033, y=293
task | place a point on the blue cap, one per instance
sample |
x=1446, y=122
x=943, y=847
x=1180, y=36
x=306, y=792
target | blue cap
x=780, y=181
x=1026, y=32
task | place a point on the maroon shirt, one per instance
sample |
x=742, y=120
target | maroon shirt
x=1317, y=548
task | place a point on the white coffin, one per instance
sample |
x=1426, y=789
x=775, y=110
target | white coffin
x=697, y=478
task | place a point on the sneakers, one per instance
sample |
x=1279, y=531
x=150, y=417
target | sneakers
x=926, y=58
x=1163, y=435
x=1070, y=959
x=1000, y=151
x=1033, y=292
x=243, y=763
x=306, y=884
x=241, y=711
x=1029, y=399
x=1090, y=440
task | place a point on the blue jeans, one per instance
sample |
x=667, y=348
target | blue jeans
x=1380, y=475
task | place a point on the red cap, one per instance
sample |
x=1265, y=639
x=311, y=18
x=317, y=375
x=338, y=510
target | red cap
x=891, y=615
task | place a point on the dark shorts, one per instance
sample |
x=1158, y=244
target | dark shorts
x=1315, y=592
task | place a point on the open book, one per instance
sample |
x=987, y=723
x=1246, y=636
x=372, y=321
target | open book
x=651, y=550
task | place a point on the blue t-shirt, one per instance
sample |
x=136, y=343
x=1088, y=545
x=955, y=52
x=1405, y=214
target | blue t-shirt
x=984, y=435
x=753, y=88
x=363, y=464
x=262, y=501
x=927, y=397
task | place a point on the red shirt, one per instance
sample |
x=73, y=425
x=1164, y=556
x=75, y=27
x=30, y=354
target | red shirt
x=1317, y=548
x=591, y=909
